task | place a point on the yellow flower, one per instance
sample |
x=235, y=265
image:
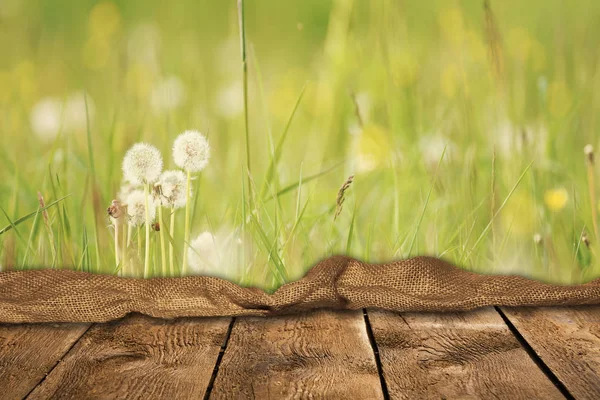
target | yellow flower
x=372, y=148
x=556, y=199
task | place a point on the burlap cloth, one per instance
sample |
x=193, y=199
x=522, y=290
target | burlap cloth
x=418, y=284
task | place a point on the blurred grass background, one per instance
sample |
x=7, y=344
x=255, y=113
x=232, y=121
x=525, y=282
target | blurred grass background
x=464, y=123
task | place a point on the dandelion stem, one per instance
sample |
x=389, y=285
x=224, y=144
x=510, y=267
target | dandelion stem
x=147, y=210
x=124, y=250
x=171, y=232
x=592, y=189
x=139, y=236
x=163, y=250
x=187, y=222
x=117, y=228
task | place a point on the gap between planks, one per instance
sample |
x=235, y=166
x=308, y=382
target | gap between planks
x=139, y=357
x=534, y=356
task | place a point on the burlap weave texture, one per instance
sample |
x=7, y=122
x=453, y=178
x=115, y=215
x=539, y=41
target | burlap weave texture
x=418, y=284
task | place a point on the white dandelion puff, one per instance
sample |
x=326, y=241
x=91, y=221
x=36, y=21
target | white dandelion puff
x=217, y=254
x=136, y=208
x=433, y=146
x=203, y=254
x=46, y=118
x=191, y=151
x=125, y=190
x=170, y=189
x=142, y=164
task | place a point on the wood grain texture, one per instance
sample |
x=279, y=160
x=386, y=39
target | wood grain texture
x=568, y=342
x=322, y=354
x=139, y=358
x=455, y=355
x=28, y=352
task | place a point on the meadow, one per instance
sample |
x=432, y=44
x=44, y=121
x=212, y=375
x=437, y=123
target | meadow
x=377, y=129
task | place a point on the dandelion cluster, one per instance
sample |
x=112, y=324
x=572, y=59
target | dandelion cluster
x=147, y=190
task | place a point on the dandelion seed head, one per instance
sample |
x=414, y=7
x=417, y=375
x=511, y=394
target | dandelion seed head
x=46, y=118
x=142, y=163
x=171, y=189
x=125, y=190
x=203, y=253
x=217, y=254
x=136, y=208
x=191, y=151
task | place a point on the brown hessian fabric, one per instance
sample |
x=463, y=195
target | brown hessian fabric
x=418, y=284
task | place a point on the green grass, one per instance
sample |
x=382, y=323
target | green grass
x=464, y=129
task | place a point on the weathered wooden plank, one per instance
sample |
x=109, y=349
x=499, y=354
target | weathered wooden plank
x=567, y=339
x=28, y=352
x=139, y=358
x=455, y=355
x=323, y=354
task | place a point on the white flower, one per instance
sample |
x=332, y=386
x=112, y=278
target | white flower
x=142, y=164
x=171, y=189
x=168, y=94
x=432, y=147
x=216, y=255
x=203, y=254
x=45, y=118
x=136, y=208
x=191, y=151
x=125, y=190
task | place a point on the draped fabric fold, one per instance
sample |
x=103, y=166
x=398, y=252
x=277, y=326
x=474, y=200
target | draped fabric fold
x=417, y=284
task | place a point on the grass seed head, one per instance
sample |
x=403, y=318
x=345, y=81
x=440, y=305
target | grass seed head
x=585, y=240
x=136, y=208
x=341, y=196
x=191, y=151
x=142, y=164
x=589, y=154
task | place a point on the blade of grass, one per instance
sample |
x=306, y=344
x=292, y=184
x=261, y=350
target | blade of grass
x=487, y=228
x=242, y=27
x=94, y=177
x=24, y=218
x=433, y=181
x=274, y=259
x=276, y=156
x=310, y=178
x=31, y=234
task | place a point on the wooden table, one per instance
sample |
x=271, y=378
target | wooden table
x=503, y=353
